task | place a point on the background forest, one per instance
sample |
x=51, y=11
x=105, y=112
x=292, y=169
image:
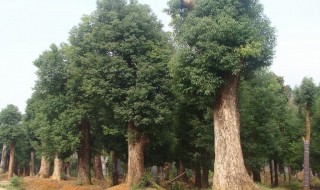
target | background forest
x=123, y=96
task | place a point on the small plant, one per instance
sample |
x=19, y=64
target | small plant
x=63, y=176
x=175, y=186
x=145, y=180
x=15, y=181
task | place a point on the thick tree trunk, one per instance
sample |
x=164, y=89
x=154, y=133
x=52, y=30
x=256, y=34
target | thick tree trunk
x=197, y=173
x=44, y=171
x=256, y=176
x=205, y=170
x=182, y=169
x=58, y=163
x=98, y=167
x=276, y=178
x=136, y=144
x=11, y=162
x=3, y=159
x=306, y=162
x=84, y=154
x=32, y=163
x=229, y=169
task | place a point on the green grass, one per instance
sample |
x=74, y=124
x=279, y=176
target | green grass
x=15, y=184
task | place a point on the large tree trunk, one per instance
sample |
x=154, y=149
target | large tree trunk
x=84, y=154
x=44, y=171
x=306, y=162
x=182, y=169
x=229, y=169
x=58, y=163
x=136, y=144
x=3, y=159
x=98, y=167
x=197, y=173
x=256, y=176
x=32, y=163
x=205, y=170
x=11, y=163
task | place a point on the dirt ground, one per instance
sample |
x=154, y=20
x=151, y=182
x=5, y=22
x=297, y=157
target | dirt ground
x=34, y=183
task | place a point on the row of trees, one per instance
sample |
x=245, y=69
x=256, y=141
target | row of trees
x=122, y=84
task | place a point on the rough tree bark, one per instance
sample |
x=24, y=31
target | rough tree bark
x=136, y=144
x=229, y=169
x=44, y=171
x=97, y=167
x=11, y=162
x=182, y=169
x=58, y=163
x=197, y=173
x=84, y=154
x=306, y=158
x=32, y=163
x=205, y=169
x=3, y=159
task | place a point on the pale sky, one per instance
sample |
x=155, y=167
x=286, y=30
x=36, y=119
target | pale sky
x=28, y=27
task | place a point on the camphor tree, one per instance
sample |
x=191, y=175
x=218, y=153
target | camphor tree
x=119, y=56
x=10, y=127
x=263, y=102
x=304, y=97
x=218, y=41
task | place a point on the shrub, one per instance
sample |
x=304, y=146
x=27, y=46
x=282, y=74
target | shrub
x=15, y=181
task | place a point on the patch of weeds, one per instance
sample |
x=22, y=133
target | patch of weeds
x=175, y=186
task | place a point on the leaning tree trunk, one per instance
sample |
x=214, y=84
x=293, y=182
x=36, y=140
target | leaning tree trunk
x=11, y=162
x=58, y=163
x=136, y=144
x=3, y=159
x=44, y=171
x=306, y=161
x=84, y=154
x=97, y=168
x=32, y=163
x=229, y=170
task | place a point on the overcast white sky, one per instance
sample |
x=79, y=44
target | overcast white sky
x=28, y=27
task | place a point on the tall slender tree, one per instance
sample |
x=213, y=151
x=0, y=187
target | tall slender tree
x=218, y=41
x=304, y=97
